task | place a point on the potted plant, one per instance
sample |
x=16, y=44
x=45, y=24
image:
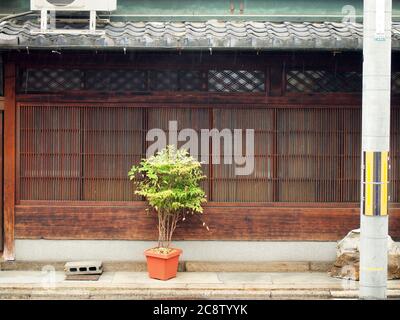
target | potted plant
x=169, y=181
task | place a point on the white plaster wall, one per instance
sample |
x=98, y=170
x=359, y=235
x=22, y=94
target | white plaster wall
x=115, y=250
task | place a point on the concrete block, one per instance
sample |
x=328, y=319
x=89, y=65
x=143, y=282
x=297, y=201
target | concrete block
x=83, y=267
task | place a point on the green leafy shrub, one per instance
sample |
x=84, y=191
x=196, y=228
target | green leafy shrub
x=169, y=181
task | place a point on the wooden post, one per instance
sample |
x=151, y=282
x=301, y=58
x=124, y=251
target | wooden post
x=9, y=159
x=1, y=179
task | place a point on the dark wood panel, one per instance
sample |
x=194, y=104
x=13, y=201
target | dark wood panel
x=336, y=61
x=225, y=100
x=9, y=160
x=225, y=223
x=212, y=204
x=276, y=80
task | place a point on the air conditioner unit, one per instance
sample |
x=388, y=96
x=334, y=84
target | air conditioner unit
x=52, y=6
x=74, y=5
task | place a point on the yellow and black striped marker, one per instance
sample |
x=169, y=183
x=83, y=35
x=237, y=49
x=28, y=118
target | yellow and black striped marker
x=375, y=193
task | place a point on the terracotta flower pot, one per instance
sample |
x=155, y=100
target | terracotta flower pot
x=162, y=266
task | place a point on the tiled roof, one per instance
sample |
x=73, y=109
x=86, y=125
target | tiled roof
x=209, y=34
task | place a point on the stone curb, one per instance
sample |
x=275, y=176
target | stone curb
x=140, y=294
x=189, y=266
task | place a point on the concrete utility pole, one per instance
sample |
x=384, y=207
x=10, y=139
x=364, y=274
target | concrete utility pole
x=375, y=148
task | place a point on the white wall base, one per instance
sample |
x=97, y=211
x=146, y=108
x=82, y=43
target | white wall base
x=116, y=250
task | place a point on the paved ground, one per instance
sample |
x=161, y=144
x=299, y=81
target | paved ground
x=187, y=285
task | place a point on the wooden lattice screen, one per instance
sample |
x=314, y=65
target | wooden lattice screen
x=301, y=154
x=45, y=80
x=323, y=81
x=79, y=153
x=396, y=83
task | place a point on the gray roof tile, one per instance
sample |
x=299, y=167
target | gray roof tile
x=215, y=34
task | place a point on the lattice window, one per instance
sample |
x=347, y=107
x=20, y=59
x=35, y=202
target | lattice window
x=79, y=153
x=301, y=154
x=112, y=143
x=396, y=83
x=117, y=80
x=236, y=81
x=258, y=185
x=131, y=80
x=50, y=153
x=195, y=119
x=164, y=80
x=51, y=80
x=318, y=155
x=307, y=81
x=190, y=80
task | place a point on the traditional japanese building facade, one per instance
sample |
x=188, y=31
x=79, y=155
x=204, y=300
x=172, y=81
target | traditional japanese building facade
x=77, y=109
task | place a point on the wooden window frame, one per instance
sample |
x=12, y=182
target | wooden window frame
x=211, y=186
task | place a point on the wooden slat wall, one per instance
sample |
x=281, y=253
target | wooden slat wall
x=112, y=142
x=302, y=155
x=258, y=186
x=50, y=153
x=71, y=152
x=82, y=153
x=394, y=172
x=85, y=152
x=193, y=118
x=318, y=155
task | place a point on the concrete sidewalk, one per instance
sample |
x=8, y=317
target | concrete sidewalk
x=187, y=285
